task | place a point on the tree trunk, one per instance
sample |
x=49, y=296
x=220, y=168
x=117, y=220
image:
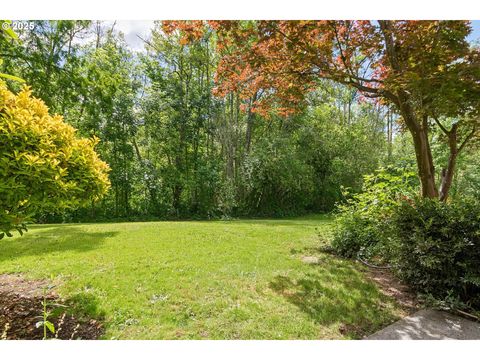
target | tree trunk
x=423, y=153
x=447, y=173
x=426, y=170
x=389, y=135
x=417, y=127
x=447, y=176
x=250, y=119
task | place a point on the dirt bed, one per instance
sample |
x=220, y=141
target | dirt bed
x=21, y=308
x=392, y=287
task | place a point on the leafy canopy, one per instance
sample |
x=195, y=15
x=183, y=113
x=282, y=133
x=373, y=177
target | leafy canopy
x=430, y=62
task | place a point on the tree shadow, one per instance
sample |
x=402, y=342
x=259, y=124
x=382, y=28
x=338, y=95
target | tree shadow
x=334, y=291
x=50, y=239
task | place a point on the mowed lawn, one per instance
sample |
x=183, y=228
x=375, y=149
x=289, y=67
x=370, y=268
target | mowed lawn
x=239, y=279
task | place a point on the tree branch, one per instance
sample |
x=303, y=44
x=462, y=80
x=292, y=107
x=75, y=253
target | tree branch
x=447, y=132
x=467, y=139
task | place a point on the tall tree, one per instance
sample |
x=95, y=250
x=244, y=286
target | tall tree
x=107, y=110
x=425, y=69
x=179, y=117
x=49, y=58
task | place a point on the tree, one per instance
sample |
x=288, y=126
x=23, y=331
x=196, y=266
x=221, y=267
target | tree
x=179, y=117
x=107, y=110
x=44, y=166
x=48, y=57
x=424, y=69
x=7, y=34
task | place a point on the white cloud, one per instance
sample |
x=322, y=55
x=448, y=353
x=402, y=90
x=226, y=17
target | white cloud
x=132, y=29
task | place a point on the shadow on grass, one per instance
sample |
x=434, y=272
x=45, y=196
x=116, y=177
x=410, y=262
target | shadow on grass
x=335, y=292
x=85, y=306
x=52, y=239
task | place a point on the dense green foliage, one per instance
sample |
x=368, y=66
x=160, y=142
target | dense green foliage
x=177, y=151
x=180, y=127
x=6, y=34
x=363, y=227
x=44, y=165
x=437, y=249
x=433, y=246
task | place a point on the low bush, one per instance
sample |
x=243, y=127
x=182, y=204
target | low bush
x=436, y=248
x=362, y=223
x=432, y=245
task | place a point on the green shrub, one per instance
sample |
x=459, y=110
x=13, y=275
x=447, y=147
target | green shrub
x=44, y=165
x=437, y=248
x=362, y=224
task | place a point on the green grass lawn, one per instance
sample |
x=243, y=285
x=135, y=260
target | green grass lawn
x=240, y=279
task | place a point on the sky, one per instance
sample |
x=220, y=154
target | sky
x=132, y=28
x=475, y=35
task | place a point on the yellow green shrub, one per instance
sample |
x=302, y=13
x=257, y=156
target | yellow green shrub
x=44, y=165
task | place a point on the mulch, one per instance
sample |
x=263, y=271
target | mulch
x=21, y=308
x=390, y=286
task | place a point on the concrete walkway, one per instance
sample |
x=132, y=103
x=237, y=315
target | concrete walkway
x=430, y=325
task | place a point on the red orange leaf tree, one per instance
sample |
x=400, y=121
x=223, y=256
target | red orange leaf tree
x=426, y=70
